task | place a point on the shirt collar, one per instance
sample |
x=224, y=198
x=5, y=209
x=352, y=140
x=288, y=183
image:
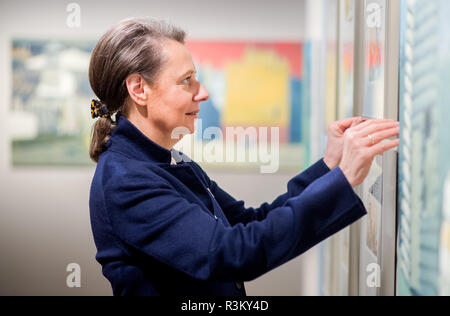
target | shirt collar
x=130, y=141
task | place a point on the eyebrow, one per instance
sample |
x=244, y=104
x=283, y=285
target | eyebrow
x=191, y=71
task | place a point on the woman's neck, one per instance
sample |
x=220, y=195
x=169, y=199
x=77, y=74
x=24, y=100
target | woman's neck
x=152, y=132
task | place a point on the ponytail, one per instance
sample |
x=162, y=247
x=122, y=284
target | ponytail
x=103, y=128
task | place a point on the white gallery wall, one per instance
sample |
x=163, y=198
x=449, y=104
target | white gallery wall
x=44, y=213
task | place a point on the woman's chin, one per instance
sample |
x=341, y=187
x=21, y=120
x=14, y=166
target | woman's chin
x=190, y=125
x=191, y=129
x=183, y=130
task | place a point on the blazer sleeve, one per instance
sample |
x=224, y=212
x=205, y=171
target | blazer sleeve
x=152, y=218
x=236, y=212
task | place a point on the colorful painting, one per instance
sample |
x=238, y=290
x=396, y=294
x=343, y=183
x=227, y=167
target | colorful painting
x=49, y=122
x=252, y=85
x=424, y=166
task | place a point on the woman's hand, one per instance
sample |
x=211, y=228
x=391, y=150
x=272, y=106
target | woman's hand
x=362, y=143
x=335, y=145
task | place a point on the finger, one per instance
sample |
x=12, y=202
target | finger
x=382, y=135
x=342, y=125
x=380, y=148
x=370, y=122
x=347, y=123
x=358, y=120
x=374, y=128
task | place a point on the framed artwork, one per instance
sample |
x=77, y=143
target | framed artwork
x=49, y=116
x=374, y=107
x=371, y=191
x=424, y=168
x=254, y=86
x=365, y=84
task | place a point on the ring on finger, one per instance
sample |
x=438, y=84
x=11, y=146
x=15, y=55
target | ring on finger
x=372, y=139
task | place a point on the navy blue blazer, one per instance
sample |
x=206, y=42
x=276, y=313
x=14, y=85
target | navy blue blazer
x=168, y=229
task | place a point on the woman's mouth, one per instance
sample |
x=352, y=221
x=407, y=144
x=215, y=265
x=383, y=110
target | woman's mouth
x=193, y=114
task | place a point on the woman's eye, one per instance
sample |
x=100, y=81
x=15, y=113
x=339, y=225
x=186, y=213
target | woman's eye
x=187, y=80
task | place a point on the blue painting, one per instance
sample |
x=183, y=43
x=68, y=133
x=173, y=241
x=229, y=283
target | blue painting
x=424, y=165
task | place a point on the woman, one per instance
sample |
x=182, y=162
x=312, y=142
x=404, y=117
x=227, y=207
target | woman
x=165, y=228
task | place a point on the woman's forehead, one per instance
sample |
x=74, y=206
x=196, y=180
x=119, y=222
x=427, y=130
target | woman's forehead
x=179, y=59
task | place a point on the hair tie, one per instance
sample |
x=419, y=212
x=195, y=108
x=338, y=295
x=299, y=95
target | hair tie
x=99, y=109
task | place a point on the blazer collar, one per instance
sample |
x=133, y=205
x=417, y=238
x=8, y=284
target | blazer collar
x=130, y=141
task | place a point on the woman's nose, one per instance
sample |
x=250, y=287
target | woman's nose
x=202, y=94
